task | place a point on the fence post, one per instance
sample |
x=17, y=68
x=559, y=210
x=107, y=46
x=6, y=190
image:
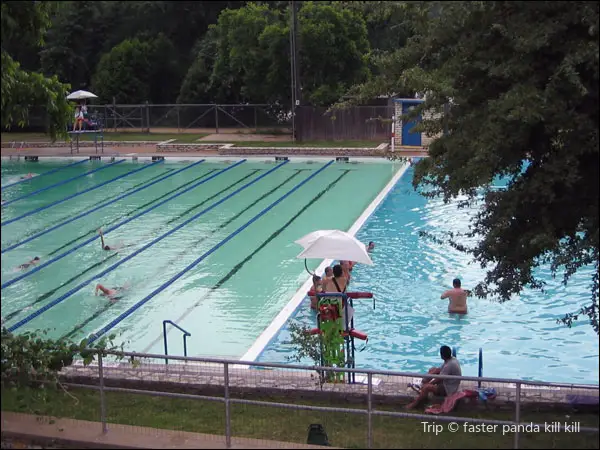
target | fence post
x=114, y=105
x=255, y=119
x=227, y=410
x=217, y=118
x=370, y=410
x=178, y=122
x=102, y=396
x=147, y=117
x=517, y=413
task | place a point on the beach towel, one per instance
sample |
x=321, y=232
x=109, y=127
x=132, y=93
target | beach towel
x=484, y=394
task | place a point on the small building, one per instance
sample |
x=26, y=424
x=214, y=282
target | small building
x=403, y=131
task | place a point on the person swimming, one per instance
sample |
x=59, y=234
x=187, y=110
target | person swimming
x=109, y=247
x=29, y=175
x=113, y=294
x=457, y=298
x=33, y=262
x=371, y=246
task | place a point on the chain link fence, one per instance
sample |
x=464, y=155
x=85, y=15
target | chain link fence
x=231, y=400
x=213, y=118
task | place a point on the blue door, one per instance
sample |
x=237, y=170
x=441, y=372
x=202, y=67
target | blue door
x=409, y=138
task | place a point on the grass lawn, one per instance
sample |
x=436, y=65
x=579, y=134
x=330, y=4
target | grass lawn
x=108, y=136
x=260, y=422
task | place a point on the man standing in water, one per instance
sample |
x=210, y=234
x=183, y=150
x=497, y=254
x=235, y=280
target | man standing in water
x=457, y=298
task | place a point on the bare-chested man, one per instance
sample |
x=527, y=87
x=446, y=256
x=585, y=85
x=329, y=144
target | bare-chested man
x=457, y=298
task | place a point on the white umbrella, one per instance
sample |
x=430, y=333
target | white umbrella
x=334, y=244
x=80, y=95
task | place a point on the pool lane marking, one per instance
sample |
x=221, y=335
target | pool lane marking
x=54, y=222
x=37, y=268
x=44, y=296
x=145, y=247
x=131, y=310
x=60, y=183
x=154, y=200
x=190, y=246
x=77, y=194
x=161, y=227
x=243, y=262
x=288, y=310
x=42, y=174
x=206, y=200
x=89, y=211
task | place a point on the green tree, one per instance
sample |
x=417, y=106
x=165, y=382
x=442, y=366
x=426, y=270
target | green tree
x=135, y=71
x=521, y=79
x=21, y=89
x=76, y=40
x=251, y=61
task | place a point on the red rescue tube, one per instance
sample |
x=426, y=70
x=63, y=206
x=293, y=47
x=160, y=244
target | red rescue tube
x=311, y=293
x=315, y=331
x=357, y=334
x=360, y=294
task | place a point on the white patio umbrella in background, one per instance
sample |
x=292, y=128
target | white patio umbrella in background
x=333, y=244
x=80, y=95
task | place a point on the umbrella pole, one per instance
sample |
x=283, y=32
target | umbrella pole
x=309, y=272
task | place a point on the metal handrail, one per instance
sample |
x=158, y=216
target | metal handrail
x=185, y=335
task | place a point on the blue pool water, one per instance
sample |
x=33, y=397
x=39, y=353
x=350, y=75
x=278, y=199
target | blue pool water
x=519, y=338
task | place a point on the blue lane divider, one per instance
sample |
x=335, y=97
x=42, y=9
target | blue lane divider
x=77, y=194
x=60, y=183
x=37, y=268
x=140, y=250
x=45, y=173
x=102, y=205
x=104, y=330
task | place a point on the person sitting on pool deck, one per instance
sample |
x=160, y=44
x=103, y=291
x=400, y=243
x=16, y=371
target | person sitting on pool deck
x=436, y=386
x=33, y=262
x=112, y=294
x=458, y=298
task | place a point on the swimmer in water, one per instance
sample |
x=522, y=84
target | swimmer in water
x=29, y=175
x=104, y=246
x=113, y=294
x=33, y=262
x=457, y=298
x=371, y=246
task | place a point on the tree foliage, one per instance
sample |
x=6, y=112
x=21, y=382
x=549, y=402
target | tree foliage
x=521, y=82
x=135, y=71
x=31, y=359
x=246, y=57
x=22, y=89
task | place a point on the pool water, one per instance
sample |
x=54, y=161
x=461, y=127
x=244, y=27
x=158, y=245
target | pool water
x=227, y=300
x=519, y=338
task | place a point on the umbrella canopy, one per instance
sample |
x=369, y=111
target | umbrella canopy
x=333, y=244
x=80, y=95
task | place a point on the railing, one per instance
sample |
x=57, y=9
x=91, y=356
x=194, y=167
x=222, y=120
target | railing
x=185, y=336
x=226, y=367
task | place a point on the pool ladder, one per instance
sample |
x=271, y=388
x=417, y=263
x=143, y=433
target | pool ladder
x=185, y=335
x=480, y=365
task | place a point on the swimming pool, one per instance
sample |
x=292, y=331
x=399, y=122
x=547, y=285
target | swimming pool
x=226, y=300
x=519, y=338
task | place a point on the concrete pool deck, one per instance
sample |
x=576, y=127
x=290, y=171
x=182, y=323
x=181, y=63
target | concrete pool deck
x=195, y=150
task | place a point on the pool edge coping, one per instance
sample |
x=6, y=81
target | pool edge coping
x=271, y=331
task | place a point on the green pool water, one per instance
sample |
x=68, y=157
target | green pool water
x=227, y=300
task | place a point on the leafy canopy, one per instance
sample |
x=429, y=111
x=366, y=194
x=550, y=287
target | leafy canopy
x=245, y=57
x=21, y=89
x=510, y=81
